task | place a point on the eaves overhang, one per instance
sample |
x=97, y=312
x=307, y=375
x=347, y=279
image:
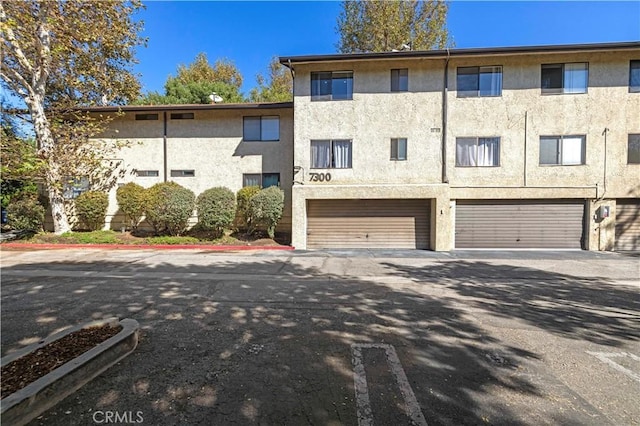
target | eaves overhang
x=472, y=52
x=189, y=107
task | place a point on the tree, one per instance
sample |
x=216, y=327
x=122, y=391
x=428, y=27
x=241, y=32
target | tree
x=195, y=83
x=278, y=87
x=59, y=56
x=382, y=26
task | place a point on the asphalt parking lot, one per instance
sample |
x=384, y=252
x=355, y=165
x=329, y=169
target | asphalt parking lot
x=342, y=337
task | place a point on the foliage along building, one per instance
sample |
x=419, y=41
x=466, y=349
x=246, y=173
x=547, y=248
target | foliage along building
x=510, y=148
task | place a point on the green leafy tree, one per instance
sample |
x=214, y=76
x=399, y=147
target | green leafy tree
x=57, y=56
x=196, y=82
x=382, y=26
x=169, y=207
x=216, y=209
x=277, y=87
x=266, y=208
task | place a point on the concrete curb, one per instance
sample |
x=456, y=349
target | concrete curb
x=36, y=246
x=22, y=406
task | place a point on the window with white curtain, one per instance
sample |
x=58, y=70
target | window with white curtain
x=565, y=78
x=478, y=152
x=479, y=81
x=263, y=180
x=562, y=150
x=331, y=154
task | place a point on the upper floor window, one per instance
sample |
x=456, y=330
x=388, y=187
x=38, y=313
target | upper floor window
x=331, y=154
x=182, y=116
x=562, y=150
x=146, y=117
x=633, y=149
x=479, y=81
x=400, y=80
x=478, y=152
x=265, y=128
x=634, y=76
x=565, y=78
x=263, y=180
x=328, y=86
x=399, y=149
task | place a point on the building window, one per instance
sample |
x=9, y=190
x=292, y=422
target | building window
x=399, y=149
x=183, y=173
x=400, y=80
x=565, y=78
x=562, y=150
x=263, y=180
x=479, y=81
x=331, y=86
x=331, y=154
x=147, y=173
x=633, y=149
x=634, y=76
x=75, y=186
x=478, y=152
x=182, y=116
x=266, y=128
x=140, y=117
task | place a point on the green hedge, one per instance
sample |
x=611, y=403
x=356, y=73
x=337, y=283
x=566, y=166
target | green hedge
x=169, y=207
x=91, y=209
x=216, y=209
x=243, y=213
x=25, y=213
x=265, y=208
x=132, y=200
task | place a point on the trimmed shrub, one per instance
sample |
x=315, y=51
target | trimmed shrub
x=26, y=213
x=169, y=207
x=216, y=209
x=244, y=195
x=91, y=209
x=132, y=200
x=266, y=208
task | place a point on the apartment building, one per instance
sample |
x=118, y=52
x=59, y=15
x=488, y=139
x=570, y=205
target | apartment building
x=514, y=148
x=201, y=147
x=526, y=147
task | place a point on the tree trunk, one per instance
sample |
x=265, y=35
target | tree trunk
x=53, y=180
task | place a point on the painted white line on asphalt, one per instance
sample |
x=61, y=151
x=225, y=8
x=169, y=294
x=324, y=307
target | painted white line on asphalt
x=606, y=358
x=365, y=415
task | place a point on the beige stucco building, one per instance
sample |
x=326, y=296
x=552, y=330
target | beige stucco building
x=516, y=148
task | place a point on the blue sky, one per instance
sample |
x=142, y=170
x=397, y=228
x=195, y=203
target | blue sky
x=250, y=33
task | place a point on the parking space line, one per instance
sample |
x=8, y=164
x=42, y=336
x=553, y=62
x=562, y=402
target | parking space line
x=605, y=357
x=363, y=404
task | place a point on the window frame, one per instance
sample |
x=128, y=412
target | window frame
x=72, y=187
x=629, y=142
x=183, y=173
x=399, y=80
x=146, y=117
x=182, y=116
x=634, y=64
x=259, y=118
x=395, y=153
x=147, y=173
x=562, y=90
x=477, y=91
x=559, y=150
x=328, y=93
x=332, y=159
x=477, y=143
x=261, y=178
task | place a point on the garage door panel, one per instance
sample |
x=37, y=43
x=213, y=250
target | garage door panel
x=519, y=224
x=627, y=224
x=368, y=224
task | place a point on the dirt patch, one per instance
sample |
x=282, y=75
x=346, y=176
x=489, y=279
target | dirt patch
x=29, y=368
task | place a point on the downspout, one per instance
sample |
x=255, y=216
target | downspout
x=445, y=89
x=604, y=177
x=164, y=144
x=525, y=149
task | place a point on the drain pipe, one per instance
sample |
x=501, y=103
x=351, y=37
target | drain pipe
x=164, y=144
x=445, y=91
x=604, y=177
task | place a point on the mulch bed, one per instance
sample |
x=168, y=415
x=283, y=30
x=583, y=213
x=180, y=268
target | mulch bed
x=29, y=368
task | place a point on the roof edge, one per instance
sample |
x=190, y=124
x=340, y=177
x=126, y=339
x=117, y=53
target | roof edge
x=186, y=107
